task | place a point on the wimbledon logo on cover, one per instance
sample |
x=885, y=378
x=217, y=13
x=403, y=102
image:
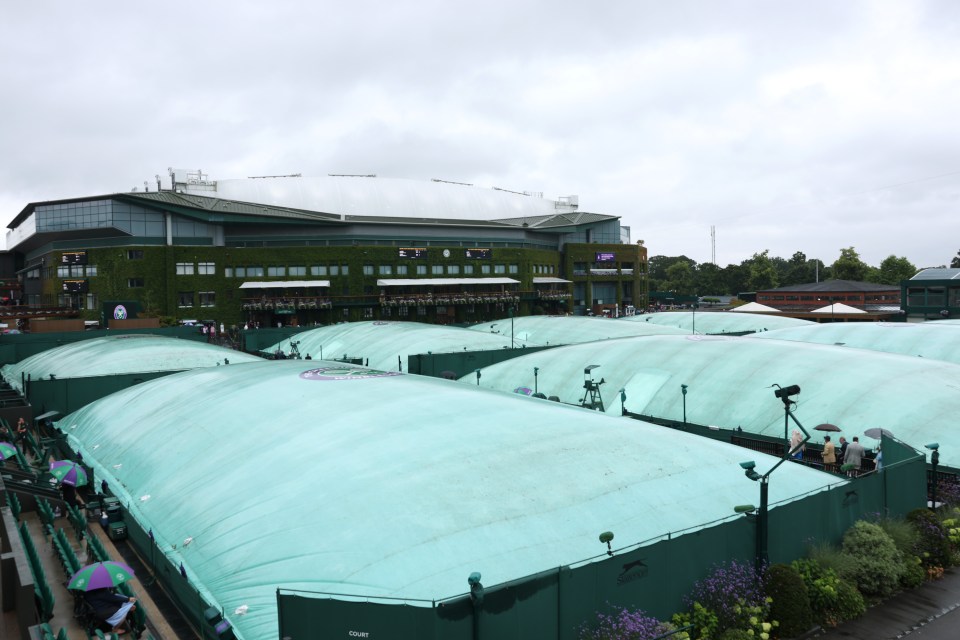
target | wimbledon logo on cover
x=346, y=373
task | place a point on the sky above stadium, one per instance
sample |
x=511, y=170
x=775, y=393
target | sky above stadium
x=788, y=126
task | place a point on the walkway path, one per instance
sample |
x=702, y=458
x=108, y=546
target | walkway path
x=931, y=611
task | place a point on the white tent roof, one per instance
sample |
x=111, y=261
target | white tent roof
x=838, y=307
x=756, y=307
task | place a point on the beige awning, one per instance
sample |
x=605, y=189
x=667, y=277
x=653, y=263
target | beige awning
x=285, y=284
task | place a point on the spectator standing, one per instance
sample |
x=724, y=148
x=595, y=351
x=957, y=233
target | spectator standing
x=854, y=457
x=843, y=450
x=829, y=454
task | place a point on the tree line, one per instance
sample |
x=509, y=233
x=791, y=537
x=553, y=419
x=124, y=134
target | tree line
x=762, y=271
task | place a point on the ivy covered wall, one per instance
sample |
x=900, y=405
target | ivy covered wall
x=149, y=275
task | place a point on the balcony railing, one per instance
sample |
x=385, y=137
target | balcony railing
x=289, y=304
x=554, y=295
x=428, y=299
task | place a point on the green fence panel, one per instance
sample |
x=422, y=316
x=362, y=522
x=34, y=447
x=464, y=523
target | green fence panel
x=20, y=346
x=525, y=608
x=307, y=616
x=68, y=395
x=463, y=363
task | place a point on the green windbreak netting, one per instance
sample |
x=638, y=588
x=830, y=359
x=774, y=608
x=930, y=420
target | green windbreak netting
x=718, y=322
x=729, y=382
x=934, y=340
x=125, y=353
x=327, y=478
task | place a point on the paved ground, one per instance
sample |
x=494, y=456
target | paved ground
x=931, y=612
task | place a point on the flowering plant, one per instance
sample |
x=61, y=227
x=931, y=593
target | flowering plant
x=624, y=624
x=736, y=594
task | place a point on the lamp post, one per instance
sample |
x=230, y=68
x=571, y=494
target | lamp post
x=934, y=461
x=683, y=391
x=535, y=371
x=511, y=326
x=623, y=399
x=696, y=303
x=477, y=371
x=784, y=393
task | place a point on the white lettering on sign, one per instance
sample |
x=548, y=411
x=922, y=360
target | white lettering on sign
x=359, y=634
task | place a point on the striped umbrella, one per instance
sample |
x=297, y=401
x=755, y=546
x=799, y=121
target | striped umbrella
x=7, y=451
x=100, y=575
x=68, y=472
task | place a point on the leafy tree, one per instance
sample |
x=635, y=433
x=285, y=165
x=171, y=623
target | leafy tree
x=658, y=265
x=735, y=278
x=849, y=266
x=893, y=270
x=680, y=278
x=762, y=272
x=800, y=270
x=955, y=263
x=709, y=278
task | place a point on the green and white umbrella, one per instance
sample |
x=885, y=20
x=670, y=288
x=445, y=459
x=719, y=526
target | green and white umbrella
x=7, y=451
x=69, y=472
x=100, y=575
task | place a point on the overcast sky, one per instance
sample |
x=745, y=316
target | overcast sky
x=790, y=126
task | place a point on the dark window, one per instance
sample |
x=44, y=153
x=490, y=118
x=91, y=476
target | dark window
x=134, y=254
x=185, y=299
x=135, y=283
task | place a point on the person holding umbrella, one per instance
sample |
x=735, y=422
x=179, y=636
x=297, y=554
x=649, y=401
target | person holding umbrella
x=829, y=454
x=111, y=607
x=97, y=582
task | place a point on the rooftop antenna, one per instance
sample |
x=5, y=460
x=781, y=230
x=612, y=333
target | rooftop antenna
x=713, y=244
x=146, y=187
x=157, y=176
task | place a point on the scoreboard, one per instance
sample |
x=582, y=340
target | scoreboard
x=412, y=252
x=75, y=286
x=478, y=254
x=73, y=257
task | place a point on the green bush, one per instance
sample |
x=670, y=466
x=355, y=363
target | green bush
x=878, y=565
x=903, y=534
x=850, y=602
x=830, y=557
x=791, y=604
x=933, y=545
x=832, y=600
x=914, y=573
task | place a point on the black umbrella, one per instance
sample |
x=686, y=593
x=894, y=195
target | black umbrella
x=876, y=432
x=826, y=426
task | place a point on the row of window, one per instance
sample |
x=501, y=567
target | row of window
x=282, y=272
x=74, y=301
x=188, y=299
x=202, y=268
x=76, y=270
x=439, y=269
x=210, y=268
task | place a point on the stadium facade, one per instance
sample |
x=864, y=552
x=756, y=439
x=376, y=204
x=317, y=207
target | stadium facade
x=294, y=251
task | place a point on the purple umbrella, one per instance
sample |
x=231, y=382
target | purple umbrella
x=100, y=575
x=68, y=472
